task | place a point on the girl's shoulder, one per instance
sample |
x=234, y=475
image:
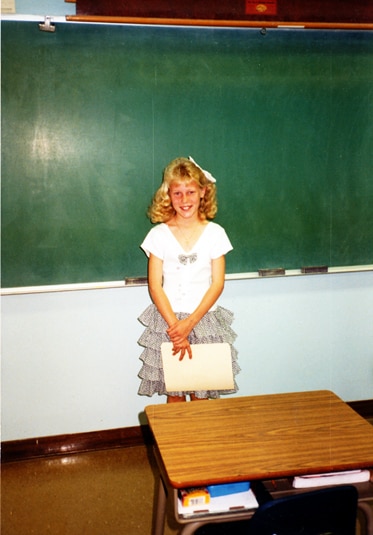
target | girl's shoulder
x=217, y=239
x=214, y=225
x=155, y=240
x=158, y=229
x=157, y=234
x=215, y=228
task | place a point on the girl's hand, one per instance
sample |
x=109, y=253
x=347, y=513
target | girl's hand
x=182, y=348
x=180, y=330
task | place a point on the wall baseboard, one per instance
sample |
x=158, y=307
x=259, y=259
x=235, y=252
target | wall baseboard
x=126, y=437
x=31, y=448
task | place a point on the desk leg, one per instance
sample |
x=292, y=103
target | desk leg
x=368, y=513
x=160, y=511
x=189, y=529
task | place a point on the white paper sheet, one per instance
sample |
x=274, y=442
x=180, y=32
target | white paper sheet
x=332, y=478
x=210, y=368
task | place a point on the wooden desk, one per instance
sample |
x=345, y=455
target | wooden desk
x=257, y=438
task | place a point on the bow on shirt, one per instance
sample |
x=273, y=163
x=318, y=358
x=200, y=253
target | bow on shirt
x=183, y=258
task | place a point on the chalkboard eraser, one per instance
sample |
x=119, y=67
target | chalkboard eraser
x=274, y=272
x=135, y=281
x=314, y=269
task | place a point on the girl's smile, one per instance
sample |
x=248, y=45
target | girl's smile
x=186, y=198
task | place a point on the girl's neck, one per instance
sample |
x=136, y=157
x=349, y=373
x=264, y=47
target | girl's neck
x=187, y=232
x=187, y=223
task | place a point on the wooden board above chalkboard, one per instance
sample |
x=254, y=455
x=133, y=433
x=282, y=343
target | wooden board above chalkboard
x=93, y=113
x=334, y=12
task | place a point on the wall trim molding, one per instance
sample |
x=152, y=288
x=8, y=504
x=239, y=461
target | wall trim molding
x=31, y=448
x=126, y=437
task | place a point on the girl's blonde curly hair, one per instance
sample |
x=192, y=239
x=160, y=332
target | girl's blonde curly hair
x=182, y=170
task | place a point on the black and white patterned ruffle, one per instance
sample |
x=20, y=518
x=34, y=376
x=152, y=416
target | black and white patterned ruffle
x=214, y=327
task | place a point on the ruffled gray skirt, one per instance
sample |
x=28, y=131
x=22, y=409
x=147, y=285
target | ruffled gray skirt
x=214, y=327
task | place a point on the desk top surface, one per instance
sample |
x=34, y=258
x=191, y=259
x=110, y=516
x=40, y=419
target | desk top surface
x=259, y=437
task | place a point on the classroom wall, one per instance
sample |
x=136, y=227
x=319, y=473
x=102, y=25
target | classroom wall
x=45, y=7
x=70, y=359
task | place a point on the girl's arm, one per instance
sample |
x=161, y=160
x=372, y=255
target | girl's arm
x=181, y=330
x=160, y=299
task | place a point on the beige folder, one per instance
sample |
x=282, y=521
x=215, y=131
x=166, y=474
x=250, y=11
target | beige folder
x=210, y=368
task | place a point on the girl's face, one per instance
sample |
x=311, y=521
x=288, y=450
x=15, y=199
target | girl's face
x=186, y=198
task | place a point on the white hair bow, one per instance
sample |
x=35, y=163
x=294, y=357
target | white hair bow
x=208, y=175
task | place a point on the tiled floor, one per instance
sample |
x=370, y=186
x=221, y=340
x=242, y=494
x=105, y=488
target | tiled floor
x=102, y=493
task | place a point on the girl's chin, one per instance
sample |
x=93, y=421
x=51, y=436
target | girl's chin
x=186, y=213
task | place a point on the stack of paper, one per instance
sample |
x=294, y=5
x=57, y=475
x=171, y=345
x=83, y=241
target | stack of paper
x=331, y=478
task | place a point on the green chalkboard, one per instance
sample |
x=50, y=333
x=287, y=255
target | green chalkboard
x=92, y=114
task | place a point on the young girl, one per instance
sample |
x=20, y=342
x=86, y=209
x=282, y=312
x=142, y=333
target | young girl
x=186, y=271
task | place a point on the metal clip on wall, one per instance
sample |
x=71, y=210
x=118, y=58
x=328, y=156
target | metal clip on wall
x=47, y=25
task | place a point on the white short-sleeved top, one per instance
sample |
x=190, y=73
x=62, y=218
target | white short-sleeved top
x=186, y=275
